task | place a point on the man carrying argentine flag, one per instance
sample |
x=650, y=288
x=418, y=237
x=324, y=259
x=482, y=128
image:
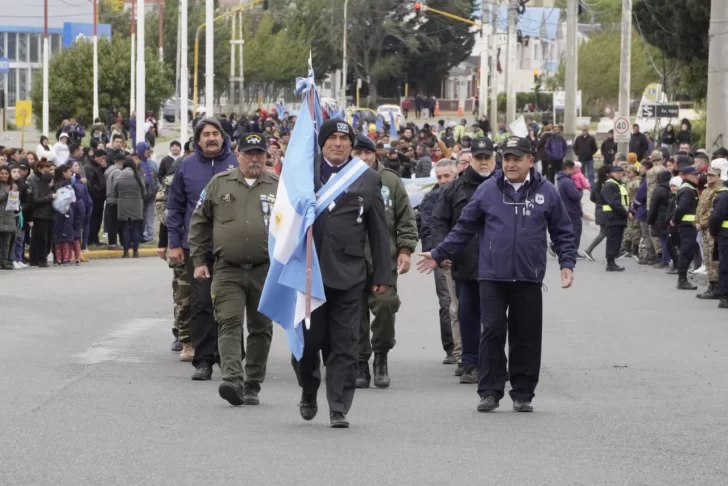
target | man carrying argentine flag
x=341, y=198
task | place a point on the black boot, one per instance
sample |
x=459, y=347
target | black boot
x=381, y=371
x=723, y=304
x=712, y=293
x=682, y=282
x=363, y=378
x=136, y=254
x=176, y=346
x=126, y=254
x=613, y=267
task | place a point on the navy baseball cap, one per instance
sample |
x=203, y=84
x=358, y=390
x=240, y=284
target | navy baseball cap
x=616, y=168
x=687, y=170
x=362, y=142
x=517, y=146
x=481, y=146
x=252, y=141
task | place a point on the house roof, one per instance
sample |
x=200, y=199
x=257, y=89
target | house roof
x=541, y=22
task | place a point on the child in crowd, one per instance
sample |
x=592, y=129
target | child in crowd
x=579, y=178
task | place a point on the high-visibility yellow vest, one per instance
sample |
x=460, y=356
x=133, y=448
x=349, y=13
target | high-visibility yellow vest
x=689, y=218
x=724, y=224
x=623, y=196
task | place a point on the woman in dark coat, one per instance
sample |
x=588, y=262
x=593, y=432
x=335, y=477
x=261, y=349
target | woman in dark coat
x=658, y=217
x=129, y=192
x=63, y=234
x=600, y=219
x=40, y=197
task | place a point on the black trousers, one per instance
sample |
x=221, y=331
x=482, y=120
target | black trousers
x=515, y=310
x=111, y=223
x=688, y=247
x=554, y=168
x=203, y=327
x=41, y=239
x=614, y=241
x=722, y=241
x=443, y=297
x=577, y=224
x=334, y=332
x=97, y=216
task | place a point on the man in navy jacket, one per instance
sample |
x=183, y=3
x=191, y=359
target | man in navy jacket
x=511, y=214
x=571, y=197
x=212, y=156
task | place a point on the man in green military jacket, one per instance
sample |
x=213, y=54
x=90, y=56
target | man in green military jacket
x=233, y=214
x=402, y=242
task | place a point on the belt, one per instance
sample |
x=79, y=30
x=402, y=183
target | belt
x=250, y=266
x=688, y=218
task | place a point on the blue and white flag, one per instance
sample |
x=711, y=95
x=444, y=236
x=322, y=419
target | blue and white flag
x=284, y=293
x=355, y=121
x=393, y=135
x=379, y=122
x=280, y=107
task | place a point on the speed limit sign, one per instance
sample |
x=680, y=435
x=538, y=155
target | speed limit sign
x=621, y=129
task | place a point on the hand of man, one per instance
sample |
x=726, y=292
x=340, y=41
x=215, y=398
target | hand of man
x=84, y=180
x=202, y=273
x=53, y=195
x=162, y=253
x=403, y=263
x=630, y=216
x=426, y=264
x=176, y=255
x=379, y=289
x=698, y=227
x=446, y=264
x=567, y=278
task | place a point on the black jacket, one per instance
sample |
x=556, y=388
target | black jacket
x=585, y=147
x=611, y=196
x=340, y=239
x=40, y=195
x=609, y=150
x=426, y=207
x=719, y=214
x=96, y=181
x=683, y=136
x=595, y=196
x=658, y=217
x=164, y=167
x=687, y=203
x=455, y=196
x=638, y=144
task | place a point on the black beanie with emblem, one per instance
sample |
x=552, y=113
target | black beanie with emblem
x=332, y=126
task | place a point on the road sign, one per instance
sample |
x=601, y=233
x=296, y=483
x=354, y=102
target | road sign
x=647, y=111
x=668, y=111
x=4, y=65
x=621, y=129
x=23, y=113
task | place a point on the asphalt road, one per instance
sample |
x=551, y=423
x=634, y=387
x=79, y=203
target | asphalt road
x=632, y=391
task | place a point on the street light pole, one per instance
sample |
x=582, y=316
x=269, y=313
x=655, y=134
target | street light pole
x=209, y=58
x=132, y=95
x=511, y=64
x=342, y=89
x=717, y=124
x=46, y=65
x=483, y=93
x=96, y=61
x=571, y=71
x=625, y=65
x=494, y=74
x=184, y=75
x=140, y=73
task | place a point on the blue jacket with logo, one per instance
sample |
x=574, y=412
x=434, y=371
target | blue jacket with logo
x=512, y=241
x=570, y=195
x=188, y=183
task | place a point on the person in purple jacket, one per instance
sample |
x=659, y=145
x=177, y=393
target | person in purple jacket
x=212, y=156
x=510, y=215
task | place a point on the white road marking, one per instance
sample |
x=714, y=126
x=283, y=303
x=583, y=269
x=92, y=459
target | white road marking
x=112, y=347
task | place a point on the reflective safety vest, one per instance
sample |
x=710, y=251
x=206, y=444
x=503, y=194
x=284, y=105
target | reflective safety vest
x=724, y=224
x=689, y=218
x=623, y=196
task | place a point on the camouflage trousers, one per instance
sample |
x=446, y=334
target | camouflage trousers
x=710, y=265
x=181, y=296
x=632, y=236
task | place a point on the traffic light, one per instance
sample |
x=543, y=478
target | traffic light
x=535, y=76
x=418, y=8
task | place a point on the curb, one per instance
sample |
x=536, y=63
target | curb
x=108, y=254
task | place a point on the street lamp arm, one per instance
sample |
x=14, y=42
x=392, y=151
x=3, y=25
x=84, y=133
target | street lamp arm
x=451, y=16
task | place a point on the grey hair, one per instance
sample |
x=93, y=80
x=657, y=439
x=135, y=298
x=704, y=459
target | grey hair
x=446, y=163
x=463, y=152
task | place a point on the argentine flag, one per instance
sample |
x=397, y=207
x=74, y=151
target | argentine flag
x=284, y=293
x=393, y=135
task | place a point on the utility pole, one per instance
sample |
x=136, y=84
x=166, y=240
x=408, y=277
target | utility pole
x=571, y=71
x=484, y=38
x=233, y=43
x=46, y=64
x=141, y=73
x=132, y=95
x=242, y=50
x=160, y=27
x=512, y=60
x=184, y=75
x=209, y=57
x=717, y=122
x=177, y=90
x=342, y=89
x=95, y=40
x=625, y=66
x=494, y=73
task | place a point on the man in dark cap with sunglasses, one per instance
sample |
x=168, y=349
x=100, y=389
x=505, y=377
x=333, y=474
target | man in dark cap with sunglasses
x=509, y=216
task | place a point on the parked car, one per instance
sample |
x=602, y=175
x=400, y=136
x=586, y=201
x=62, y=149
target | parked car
x=170, y=107
x=385, y=110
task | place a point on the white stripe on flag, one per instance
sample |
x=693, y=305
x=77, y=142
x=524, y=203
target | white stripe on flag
x=285, y=225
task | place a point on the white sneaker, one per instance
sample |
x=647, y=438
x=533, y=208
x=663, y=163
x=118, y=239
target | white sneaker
x=17, y=265
x=702, y=270
x=23, y=265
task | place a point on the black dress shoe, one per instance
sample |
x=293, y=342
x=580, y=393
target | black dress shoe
x=363, y=378
x=232, y=392
x=522, y=406
x=308, y=406
x=176, y=346
x=250, y=394
x=338, y=420
x=449, y=360
x=487, y=404
x=203, y=372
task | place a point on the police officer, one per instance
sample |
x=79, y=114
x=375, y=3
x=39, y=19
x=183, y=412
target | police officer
x=235, y=213
x=465, y=263
x=616, y=213
x=718, y=224
x=511, y=213
x=402, y=242
x=684, y=220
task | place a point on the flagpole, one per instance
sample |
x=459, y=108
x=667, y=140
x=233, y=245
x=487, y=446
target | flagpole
x=309, y=232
